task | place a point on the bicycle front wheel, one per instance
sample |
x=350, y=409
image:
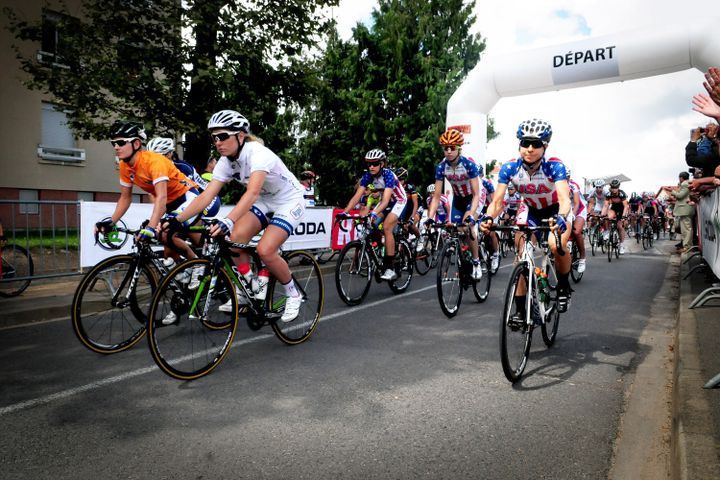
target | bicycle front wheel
x=423, y=258
x=449, y=279
x=574, y=273
x=516, y=326
x=188, y=335
x=109, y=310
x=481, y=288
x=308, y=280
x=16, y=264
x=353, y=273
x=403, y=265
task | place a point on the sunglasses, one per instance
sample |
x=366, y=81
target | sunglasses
x=373, y=164
x=535, y=143
x=121, y=142
x=450, y=148
x=221, y=136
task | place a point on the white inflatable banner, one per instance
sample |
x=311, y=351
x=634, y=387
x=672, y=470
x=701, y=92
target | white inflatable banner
x=312, y=233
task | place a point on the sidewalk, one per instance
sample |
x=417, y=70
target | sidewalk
x=43, y=300
x=696, y=411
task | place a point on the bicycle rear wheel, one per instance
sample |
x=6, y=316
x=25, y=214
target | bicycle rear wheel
x=423, y=258
x=200, y=336
x=403, y=265
x=610, y=245
x=109, y=311
x=449, y=279
x=516, y=326
x=481, y=288
x=308, y=280
x=16, y=263
x=353, y=273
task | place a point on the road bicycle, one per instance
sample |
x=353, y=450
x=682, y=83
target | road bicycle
x=597, y=242
x=432, y=240
x=110, y=305
x=575, y=274
x=538, y=305
x=16, y=269
x=613, y=241
x=200, y=333
x=506, y=241
x=648, y=233
x=361, y=260
x=454, y=273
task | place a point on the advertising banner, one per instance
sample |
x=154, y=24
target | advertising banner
x=709, y=229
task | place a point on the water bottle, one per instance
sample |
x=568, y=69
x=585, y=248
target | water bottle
x=248, y=276
x=260, y=285
x=542, y=284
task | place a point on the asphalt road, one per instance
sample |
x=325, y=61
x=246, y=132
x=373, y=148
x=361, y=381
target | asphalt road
x=390, y=389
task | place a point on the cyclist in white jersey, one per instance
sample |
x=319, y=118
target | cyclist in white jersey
x=580, y=211
x=544, y=186
x=270, y=188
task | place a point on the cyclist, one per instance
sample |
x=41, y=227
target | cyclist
x=443, y=210
x=464, y=177
x=392, y=203
x=410, y=214
x=270, y=189
x=544, y=186
x=616, y=206
x=580, y=211
x=633, y=223
x=170, y=189
x=487, y=189
x=511, y=203
x=307, y=180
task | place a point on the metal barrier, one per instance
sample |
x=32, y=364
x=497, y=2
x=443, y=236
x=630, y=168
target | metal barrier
x=48, y=229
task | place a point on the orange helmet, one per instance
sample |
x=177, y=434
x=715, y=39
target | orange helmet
x=452, y=137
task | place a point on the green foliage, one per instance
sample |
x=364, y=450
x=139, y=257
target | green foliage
x=388, y=88
x=128, y=59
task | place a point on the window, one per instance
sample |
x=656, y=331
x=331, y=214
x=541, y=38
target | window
x=52, y=46
x=137, y=198
x=29, y=196
x=86, y=196
x=57, y=140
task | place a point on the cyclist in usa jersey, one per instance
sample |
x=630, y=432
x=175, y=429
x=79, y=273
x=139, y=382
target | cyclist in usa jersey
x=580, y=211
x=464, y=177
x=270, y=189
x=543, y=183
x=443, y=210
x=392, y=203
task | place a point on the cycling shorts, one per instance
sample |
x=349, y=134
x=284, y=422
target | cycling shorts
x=460, y=205
x=286, y=213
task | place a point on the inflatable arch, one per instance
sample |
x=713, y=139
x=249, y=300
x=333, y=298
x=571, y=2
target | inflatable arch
x=593, y=61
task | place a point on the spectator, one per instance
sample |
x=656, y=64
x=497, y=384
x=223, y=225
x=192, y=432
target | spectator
x=683, y=211
x=712, y=84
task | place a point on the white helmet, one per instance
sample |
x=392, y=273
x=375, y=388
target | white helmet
x=431, y=188
x=375, y=155
x=599, y=183
x=535, y=128
x=230, y=120
x=161, y=145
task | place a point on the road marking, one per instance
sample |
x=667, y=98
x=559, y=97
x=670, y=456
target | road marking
x=142, y=371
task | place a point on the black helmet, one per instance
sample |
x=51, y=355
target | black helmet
x=124, y=129
x=307, y=175
x=615, y=183
x=401, y=173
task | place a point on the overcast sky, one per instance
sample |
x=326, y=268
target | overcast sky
x=638, y=127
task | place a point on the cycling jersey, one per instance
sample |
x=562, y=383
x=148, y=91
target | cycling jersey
x=538, y=190
x=512, y=202
x=443, y=209
x=386, y=179
x=191, y=173
x=151, y=168
x=575, y=191
x=635, y=204
x=599, y=200
x=459, y=176
x=309, y=196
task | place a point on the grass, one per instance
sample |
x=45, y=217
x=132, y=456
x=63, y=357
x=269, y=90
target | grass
x=62, y=240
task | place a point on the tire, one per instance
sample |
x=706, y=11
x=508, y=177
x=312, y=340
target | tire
x=481, y=288
x=616, y=243
x=423, y=259
x=651, y=239
x=610, y=245
x=107, y=318
x=309, y=281
x=197, y=342
x=574, y=274
x=403, y=266
x=593, y=241
x=353, y=273
x=16, y=262
x=645, y=241
x=549, y=329
x=449, y=279
x=515, y=340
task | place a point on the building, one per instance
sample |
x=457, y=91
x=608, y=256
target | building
x=42, y=158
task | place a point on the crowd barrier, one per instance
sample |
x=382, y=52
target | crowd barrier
x=708, y=224
x=317, y=231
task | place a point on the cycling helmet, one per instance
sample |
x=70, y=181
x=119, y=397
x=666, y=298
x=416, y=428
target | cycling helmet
x=123, y=129
x=401, y=173
x=307, y=175
x=431, y=188
x=615, y=183
x=230, y=120
x=452, y=137
x=511, y=185
x=375, y=155
x=599, y=183
x=535, y=128
x=161, y=145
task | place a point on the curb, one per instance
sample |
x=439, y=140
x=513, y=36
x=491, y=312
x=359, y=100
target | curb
x=693, y=439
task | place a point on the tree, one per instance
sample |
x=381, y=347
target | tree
x=172, y=63
x=388, y=88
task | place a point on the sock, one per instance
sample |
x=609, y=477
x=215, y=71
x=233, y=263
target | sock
x=520, y=304
x=388, y=261
x=290, y=289
x=564, y=280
